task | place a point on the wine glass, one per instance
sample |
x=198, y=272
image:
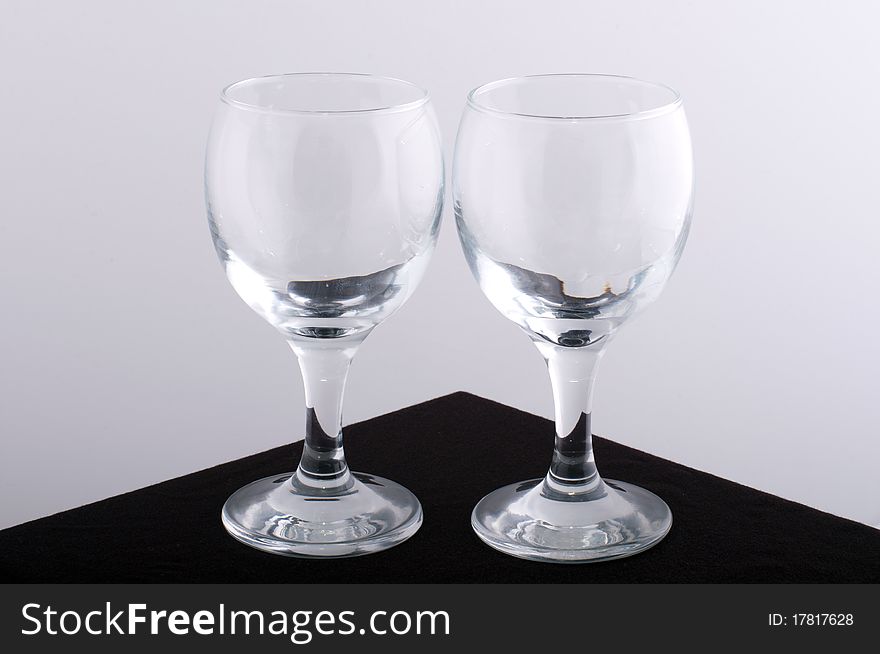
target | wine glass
x=573, y=199
x=324, y=193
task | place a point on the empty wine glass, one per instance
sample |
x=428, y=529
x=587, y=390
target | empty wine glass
x=573, y=203
x=324, y=194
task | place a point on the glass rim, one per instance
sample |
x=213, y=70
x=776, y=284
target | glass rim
x=641, y=114
x=423, y=99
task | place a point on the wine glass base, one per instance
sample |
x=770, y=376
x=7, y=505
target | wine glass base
x=272, y=515
x=523, y=521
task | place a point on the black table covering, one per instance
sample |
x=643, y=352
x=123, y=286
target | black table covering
x=450, y=452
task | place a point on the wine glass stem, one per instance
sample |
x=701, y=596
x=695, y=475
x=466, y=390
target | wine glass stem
x=573, y=469
x=324, y=365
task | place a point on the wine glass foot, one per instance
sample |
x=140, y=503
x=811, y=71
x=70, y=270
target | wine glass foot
x=273, y=515
x=523, y=520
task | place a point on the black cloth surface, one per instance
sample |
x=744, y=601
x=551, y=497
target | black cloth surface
x=449, y=452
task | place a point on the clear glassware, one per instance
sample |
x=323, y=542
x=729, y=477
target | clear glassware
x=573, y=198
x=324, y=194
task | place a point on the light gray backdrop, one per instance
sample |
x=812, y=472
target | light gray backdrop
x=126, y=358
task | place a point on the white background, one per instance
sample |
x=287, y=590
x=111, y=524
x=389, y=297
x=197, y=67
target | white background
x=126, y=358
